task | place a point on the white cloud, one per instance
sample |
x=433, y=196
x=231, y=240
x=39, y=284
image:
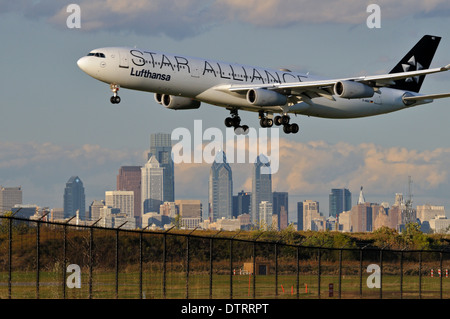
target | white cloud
x=181, y=19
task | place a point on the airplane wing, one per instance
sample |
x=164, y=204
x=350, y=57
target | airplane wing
x=325, y=87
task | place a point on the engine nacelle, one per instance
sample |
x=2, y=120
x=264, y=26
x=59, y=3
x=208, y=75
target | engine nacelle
x=263, y=97
x=177, y=102
x=352, y=90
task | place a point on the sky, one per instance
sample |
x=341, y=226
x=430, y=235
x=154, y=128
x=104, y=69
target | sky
x=56, y=121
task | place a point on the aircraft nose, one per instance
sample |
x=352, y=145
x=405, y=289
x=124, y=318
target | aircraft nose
x=83, y=64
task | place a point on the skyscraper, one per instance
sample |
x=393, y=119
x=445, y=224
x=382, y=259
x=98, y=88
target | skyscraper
x=74, y=198
x=280, y=207
x=123, y=200
x=261, y=186
x=152, y=180
x=241, y=203
x=340, y=200
x=129, y=179
x=220, y=188
x=10, y=196
x=161, y=148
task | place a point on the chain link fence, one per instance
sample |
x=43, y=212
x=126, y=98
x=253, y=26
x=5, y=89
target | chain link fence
x=48, y=260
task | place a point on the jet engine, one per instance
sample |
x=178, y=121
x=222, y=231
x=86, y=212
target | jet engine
x=177, y=102
x=263, y=97
x=352, y=90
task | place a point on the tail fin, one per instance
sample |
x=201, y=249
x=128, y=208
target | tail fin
x=419, y=57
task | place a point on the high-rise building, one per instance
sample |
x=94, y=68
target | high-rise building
x=242, y=203
x=152, y=180
x=220, y=189
x=299, y=215
x=9, y=197
x=94, y=209
x=265, y=215
x=280, y=206
x=261, y=185
x=161, y=148
x=74, y=198
x=340, y=200
x=123, y=200
x=311, y=213
x=129, y=179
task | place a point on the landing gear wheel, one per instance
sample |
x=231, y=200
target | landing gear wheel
x=115, y=99
x=229, y=122
x=294, y=128
x=277, y=120
x=241, y=130
x=285, y=119
x=290, y=128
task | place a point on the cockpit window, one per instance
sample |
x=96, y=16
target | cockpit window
x=97, y=54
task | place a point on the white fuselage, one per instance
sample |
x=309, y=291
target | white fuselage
x=208, y=81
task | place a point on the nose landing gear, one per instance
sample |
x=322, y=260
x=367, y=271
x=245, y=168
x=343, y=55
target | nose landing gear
x=115, y=99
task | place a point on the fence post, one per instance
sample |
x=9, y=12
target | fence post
x=401, y=274
x=38, y=253
x=276, y=270
x=381, y=273
x=360, y=271
x=318, y=272
x=117, y=260
x=441, y=274
x=10, y=257
x=298, y=272
x=420, y=274
x=91, y=255
x=64, y=266
x=340, y=271
x=187, y=262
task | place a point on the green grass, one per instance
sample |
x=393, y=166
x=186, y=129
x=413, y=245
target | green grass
x=104, y=286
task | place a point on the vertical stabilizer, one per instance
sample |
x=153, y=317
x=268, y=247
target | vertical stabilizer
x=418, y=58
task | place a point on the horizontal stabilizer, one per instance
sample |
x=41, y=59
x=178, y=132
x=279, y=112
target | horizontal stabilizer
x=426, y=97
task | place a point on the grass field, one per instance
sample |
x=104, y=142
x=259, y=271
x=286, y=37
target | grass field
x=103, y=286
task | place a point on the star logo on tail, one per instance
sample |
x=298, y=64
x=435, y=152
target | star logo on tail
x=412, y=65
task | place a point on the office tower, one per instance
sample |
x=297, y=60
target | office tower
x=190, y=212
x=310, y=214
x=129, y=179
x=220, y=189
x=261, y=185
x=152, y=179
x=94, y=209
x=161, y=148
x=123, y=200
x=74, y=198
x=299, y=215
x=280, y=204
x=340, y=200
x=10, y=196
x=265, y=215
x=241, y=203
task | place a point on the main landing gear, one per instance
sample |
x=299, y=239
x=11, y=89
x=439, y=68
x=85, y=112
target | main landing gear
x=235, y=121
x=279, y=120
x=115, y=99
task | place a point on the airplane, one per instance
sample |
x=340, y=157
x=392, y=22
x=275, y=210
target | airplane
x=181, y=83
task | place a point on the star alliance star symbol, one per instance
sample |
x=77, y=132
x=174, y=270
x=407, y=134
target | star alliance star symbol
x=416, y=66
